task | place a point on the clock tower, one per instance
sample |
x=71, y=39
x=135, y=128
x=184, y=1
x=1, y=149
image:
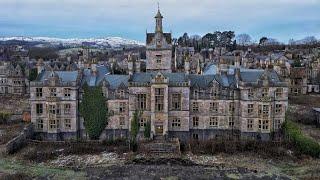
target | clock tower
x=159, y=48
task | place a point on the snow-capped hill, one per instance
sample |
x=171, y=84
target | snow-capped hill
x=108, y=41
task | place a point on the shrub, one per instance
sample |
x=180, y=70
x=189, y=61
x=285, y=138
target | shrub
x=4, y=117
x=303, y=144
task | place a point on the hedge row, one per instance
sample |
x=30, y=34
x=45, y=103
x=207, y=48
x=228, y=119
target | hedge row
x=304, y=144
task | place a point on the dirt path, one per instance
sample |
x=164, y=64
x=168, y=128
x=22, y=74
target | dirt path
x=173, y=171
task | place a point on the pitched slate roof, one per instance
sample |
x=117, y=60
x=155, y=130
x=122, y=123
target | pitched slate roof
x=167, y=36
x=115, y=81
x=254, y=75
x=94, y=79
x=65, y=76
x=201, y=81
x=204, y=81
x=147, y=77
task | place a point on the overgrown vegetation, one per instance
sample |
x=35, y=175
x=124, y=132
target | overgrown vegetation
x=135, y=125
x=134, y=130
x=302, y=143
x=275, y=149
x=33, y=74
x=147, y=130
x=94, y=111
x=45, y=53
x=44, y=151
x=4, y=117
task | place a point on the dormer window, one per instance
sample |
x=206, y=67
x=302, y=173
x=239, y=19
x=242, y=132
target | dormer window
x=279, y=92
x=122, y=93
x=250, y=93
x=196, y=94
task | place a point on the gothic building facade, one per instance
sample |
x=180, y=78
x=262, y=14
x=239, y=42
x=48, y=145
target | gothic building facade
x=12, y=80
x=246, y=103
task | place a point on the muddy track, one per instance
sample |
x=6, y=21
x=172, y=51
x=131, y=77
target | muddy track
x=140, y=171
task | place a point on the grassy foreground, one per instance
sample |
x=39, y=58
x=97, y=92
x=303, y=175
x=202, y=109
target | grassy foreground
x=304, y=144
x=38, y=170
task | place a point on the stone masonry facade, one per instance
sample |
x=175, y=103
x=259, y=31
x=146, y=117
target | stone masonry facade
x=232, y=101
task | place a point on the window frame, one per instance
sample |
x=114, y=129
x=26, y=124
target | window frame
x=213, y=122
x=176, y=101
x=39, y=92
x=159, y=99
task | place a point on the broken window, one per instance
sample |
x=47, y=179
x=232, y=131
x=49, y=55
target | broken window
x=38, y=92
x=142, y=101
x=176, y=122
x=250, y=124
x=67, y=123
x=195, y=121
x=159, y=97
x=39, y=108
x=176, y=101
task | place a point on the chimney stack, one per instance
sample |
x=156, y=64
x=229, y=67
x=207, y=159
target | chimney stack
x=187, y=65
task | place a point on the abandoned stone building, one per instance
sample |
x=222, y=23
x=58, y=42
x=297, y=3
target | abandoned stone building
x=54, y=99
x=12, y=80
x=246, y=103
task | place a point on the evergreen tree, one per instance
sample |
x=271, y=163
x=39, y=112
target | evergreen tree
x=135, y=125
x=33, y=74
x=94, y=111
x=147, y=130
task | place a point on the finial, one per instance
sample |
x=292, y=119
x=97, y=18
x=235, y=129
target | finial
x=158, y=7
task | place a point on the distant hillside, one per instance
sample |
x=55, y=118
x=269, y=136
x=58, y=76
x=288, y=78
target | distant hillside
x=108, y=42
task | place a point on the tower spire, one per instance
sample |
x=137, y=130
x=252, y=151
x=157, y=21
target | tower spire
x=158, y=20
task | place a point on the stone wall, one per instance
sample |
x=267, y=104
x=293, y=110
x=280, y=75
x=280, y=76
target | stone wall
x=20, y=141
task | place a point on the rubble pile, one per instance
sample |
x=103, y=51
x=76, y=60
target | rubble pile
x=204, y=159
x=82, y=161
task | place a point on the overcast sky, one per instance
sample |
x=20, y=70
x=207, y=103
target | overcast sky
x=280, y=19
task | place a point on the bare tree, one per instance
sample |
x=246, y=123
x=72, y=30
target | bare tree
x=244, y=39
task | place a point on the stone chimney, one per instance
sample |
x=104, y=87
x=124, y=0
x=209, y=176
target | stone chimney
x=94, y=69
x=40, y=65
x=223, y=67
x=237, y=61
x=130, y=65
x=187, y=65
x=237, y=73
x=210, y=51
x=199, y=69
x=138, y=66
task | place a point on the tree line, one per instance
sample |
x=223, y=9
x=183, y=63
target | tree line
x=210, y=40
x=231, y=41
